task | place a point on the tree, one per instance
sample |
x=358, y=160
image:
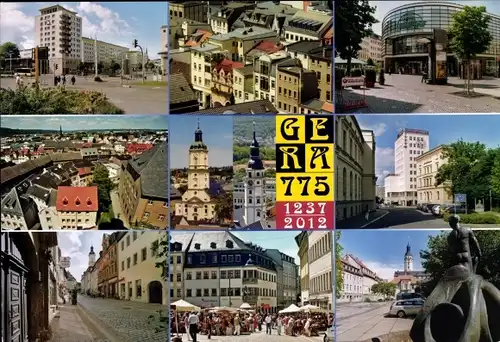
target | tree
x=384, y=289
x=182, y=188
x=100, y=67
x=437, y=258
x=224, y=207
x=370, y=62
x=114, y=67
x=353, y=22
x=339, y=269
x=8, y=50
x=104, y=186
x=81, y=67
x=469, y=35
x=495, y=173
x=150, y=65
x=469, y=169
x=270, y=173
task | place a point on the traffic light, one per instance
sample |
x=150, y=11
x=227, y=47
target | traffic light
x=135, y=43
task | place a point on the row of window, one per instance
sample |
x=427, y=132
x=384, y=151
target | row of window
x=224, y=292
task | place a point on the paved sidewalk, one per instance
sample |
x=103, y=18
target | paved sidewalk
x=67, y=326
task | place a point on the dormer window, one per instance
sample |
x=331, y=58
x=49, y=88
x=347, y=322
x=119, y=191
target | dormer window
x=213, y=245
x=88, y=201
x=77, y=201
x=229, y=244
x=197, y=246
x=65, y=201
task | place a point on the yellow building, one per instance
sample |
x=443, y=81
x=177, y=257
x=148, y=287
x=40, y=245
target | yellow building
x=243, y=85
x=354, y=168
x=201, y=72
x=197, y=204
x=428, y=165
x=320, y=61
x=295, y=85
x=302, y=242
x=138, y=277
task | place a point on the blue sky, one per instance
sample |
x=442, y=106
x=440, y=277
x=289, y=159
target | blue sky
x=86, y=122
x=217, y=135
x=492, y=6
x=443, y=129
x=383, y=250
x=284, y=241
x=114, y=22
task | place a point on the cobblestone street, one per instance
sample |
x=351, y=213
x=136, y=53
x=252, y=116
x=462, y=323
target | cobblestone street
x=256, y=337
x=406, y=94
x=124, y=320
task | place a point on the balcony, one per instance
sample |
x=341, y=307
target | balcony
x=246, y=281
x=65, y=40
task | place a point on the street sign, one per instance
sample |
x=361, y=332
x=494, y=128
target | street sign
x=460, y=198
x=353, y=81
x=65, y=262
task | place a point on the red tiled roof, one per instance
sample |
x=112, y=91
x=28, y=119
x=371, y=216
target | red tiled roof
x=82, y=171
x=134, y=148
x=228, y=65
x=268, y=47
x=204, y=37
x=328, y=107
x=73, y=198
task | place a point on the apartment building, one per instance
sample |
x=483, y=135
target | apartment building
x=428, y=165
x=320, y=269
x=265, y=74
x=307, y=26
x=371, y=47
x=223, y=20
x=106, y=52
x=60, y=30
x=191, y=10
x=295, y=85
x=321, y=63
x=243, y=85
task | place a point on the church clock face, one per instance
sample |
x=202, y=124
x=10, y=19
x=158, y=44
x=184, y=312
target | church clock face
x=250, y=183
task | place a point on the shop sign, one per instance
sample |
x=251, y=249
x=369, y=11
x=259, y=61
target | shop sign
x=353, y=81
x=409, y=21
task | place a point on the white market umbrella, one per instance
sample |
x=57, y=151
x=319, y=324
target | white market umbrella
x=311, y=308
x=245, y=306
x=292, y=308
x=182, y=305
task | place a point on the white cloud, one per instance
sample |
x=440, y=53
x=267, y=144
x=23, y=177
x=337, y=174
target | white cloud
x=15, y=25
x=18, y=27
x=384, y=271
x=76, y=245
x=384, y=162
x=378, y=129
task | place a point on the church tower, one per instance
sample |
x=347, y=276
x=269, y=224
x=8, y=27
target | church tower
x=255, y=199
x=408, y=259
x=91, y=256
x=60, y=131
x=196, y=200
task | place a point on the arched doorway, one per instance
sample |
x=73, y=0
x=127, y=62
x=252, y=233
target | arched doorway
x=155, y=289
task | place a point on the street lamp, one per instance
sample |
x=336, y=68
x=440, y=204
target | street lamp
x=10, y=61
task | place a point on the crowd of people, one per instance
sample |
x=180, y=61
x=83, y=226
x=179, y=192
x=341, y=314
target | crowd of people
x=240, y=322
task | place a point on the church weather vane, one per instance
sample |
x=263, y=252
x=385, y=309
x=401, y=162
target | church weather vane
x=304, y=172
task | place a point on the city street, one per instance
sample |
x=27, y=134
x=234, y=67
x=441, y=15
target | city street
x=406, y=94
x=138, y=99
x=363, y=321
x=121, y=320
x=401, y=218
x=256, y=337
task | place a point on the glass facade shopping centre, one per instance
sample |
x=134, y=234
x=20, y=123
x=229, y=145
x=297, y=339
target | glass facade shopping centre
x=403, y=26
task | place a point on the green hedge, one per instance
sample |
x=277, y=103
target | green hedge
x=476, y=218
x=31, y=100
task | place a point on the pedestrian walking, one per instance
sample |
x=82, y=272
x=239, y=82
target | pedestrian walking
x=367, y=215
x=64, y=80
x=237, y=327
x=186, y=326
x=193, y=326
x=18, y=80
x=269, y=321
x=73, y=80
x=279, y=324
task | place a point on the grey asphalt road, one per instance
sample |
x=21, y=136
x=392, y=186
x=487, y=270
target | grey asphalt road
x=363, y=321
x=137, y=99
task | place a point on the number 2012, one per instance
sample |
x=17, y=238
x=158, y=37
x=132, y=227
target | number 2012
x=300, y=223
x=321, y=187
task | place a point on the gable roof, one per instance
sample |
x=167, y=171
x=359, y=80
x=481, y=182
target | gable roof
x=79, y=199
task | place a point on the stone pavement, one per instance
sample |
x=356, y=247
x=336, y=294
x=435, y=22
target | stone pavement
x=256, y=337
x=134, y=100
x=360, y=221
x=406, y=94
x=125, y=321
x=67, y=326
x=362, y=322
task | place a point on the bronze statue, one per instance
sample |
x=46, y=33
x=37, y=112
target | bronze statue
x=463, y=307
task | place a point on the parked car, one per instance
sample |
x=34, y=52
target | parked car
x=420, y=206
x=428, y=207
x=409, y=295
x=458, y=209
x=436, y=210
x=406, y=307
